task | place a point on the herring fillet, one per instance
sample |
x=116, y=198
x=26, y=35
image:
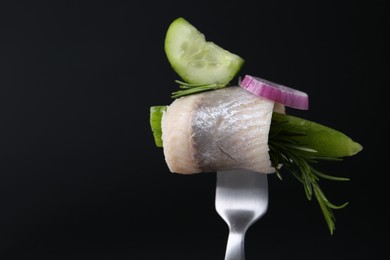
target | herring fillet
x=176, y=136
x=219, y=130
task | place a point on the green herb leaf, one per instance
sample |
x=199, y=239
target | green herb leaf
x=326, y=141
x=156, y=113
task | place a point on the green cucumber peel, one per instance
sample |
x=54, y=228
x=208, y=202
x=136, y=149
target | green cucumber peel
x=156, y=113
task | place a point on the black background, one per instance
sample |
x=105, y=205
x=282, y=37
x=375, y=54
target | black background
x=80, y=177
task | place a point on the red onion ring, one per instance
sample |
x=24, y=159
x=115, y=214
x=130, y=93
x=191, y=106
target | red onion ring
x=278, y=93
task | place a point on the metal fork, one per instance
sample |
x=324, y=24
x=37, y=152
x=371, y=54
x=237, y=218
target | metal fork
x=241, y=199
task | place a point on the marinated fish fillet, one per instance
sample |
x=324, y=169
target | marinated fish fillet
x=218, y=130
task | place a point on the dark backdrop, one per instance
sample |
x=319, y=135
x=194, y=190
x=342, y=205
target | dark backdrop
x=80, y=177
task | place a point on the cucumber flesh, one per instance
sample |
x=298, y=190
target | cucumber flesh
x=196, y=60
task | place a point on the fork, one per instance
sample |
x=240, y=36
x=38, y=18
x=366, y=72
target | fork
x=241, y=198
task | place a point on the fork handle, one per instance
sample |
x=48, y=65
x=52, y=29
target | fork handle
x=235, y=246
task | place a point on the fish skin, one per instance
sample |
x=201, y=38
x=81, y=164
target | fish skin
x=218, y=130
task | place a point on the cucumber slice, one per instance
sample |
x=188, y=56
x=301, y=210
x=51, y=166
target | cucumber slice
x=197, y=61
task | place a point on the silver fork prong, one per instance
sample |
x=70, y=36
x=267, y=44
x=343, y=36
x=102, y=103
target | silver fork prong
x=241, y=199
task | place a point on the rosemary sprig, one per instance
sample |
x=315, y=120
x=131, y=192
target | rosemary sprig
x=298, y=159
x=189, y=89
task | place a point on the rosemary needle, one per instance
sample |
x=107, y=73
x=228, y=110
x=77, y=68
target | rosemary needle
x=298, y=159
x=189, y=89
